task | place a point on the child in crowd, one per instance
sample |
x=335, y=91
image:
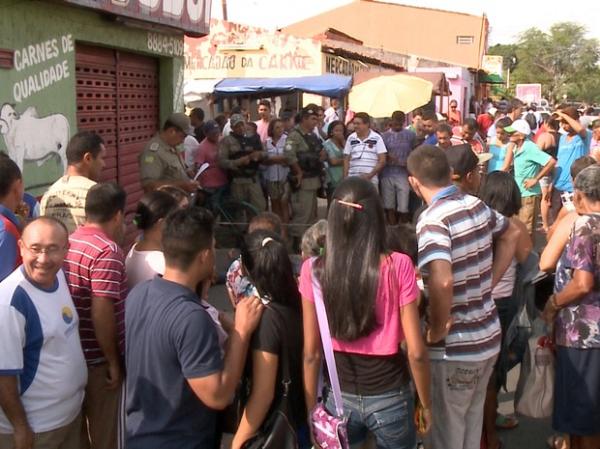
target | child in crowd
x=238, y=284
x=313, y=240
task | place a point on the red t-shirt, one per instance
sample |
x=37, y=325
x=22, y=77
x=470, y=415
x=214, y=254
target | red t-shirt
x=484, y=121
x=95, y=267
x=214, y=176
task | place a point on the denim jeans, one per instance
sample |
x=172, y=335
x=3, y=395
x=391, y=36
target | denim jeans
x=388, y=416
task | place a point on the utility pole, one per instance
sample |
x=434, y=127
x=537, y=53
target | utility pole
x=224, y=6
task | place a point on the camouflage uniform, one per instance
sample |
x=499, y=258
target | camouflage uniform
x=304, y=148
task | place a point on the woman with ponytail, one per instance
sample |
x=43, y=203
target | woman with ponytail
x=279, y=334
x=145, y=259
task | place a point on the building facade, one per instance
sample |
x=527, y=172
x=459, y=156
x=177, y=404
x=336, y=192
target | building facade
x=115, y=68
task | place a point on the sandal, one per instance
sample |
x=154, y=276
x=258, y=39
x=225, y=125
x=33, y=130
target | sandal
x=557, y=442
x=506, y=422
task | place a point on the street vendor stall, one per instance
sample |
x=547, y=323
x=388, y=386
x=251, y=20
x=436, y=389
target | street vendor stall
x=325, y=85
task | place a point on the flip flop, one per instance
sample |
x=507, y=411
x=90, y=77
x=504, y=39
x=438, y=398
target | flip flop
x=506, y=422
x=557, y=442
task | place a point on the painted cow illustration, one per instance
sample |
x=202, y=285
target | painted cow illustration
x=33, y=138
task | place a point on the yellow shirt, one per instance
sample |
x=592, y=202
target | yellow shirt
x=65, y=200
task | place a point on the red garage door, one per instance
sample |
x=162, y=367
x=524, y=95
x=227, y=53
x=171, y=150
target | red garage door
x=117, y=97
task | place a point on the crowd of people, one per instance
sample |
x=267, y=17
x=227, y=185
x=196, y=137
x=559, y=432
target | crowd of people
x=107, y=345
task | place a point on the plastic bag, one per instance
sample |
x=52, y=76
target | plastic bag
x=534, y=396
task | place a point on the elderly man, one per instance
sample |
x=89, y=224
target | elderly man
x=42, y=369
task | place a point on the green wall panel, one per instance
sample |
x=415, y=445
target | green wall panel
x=37, y=96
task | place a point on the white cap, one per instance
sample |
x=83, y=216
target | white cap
x=518, y=126
x=492, y=111
x=440, y=117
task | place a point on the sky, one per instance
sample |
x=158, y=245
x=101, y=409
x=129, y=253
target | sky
x=507, y=17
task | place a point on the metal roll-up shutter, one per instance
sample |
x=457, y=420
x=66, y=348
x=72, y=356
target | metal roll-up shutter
x=96, y=78
x=137, y=85
x=118, y=97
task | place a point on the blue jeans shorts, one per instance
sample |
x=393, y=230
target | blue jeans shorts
x=389, y=417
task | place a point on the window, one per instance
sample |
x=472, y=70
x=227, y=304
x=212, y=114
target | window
x=465, y=40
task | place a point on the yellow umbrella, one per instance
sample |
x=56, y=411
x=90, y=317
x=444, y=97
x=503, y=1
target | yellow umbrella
x=381, y=96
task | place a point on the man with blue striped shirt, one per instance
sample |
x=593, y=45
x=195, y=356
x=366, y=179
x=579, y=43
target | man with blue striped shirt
x=464, y=249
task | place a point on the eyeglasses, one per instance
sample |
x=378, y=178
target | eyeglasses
x=50, y=251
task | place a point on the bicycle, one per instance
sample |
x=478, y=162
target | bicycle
x=232, y=216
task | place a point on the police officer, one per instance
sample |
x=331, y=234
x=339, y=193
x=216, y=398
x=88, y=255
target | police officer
x=241, y=156
x=305, y=155
x=160, y=161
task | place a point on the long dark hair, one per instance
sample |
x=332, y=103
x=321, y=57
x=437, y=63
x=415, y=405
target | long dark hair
x=501, y=193
x=356, y=240
x=266, y=261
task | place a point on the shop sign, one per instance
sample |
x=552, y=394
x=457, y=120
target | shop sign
x=341, y=66
x=191, y=16
x=492, y=64
x=233, y=50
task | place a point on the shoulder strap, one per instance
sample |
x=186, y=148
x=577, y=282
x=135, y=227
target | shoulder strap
x=327, y=343
x=286, y=379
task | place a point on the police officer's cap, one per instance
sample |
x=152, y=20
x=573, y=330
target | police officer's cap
x=310, y=109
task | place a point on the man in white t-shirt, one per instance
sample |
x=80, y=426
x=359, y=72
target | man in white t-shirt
x=333, y=113
x=42, y=369
x=365, y=152
x=65, y=199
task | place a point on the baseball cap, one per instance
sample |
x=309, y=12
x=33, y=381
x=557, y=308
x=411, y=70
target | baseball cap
x=492, y=111
x=181, y=121
x=210, y=126
x=518, y=126
x=463, y=159
x=235, y=119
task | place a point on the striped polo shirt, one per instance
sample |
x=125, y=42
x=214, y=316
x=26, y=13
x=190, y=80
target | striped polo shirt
x=95, y=267
x=460, y=228
x=364, y=154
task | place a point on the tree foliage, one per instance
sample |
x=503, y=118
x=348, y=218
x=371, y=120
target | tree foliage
x=563, y=60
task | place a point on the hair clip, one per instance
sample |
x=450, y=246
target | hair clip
x=352, y=205
x=265, y=241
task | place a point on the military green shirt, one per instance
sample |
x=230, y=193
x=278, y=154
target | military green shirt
x=294, y=144
x=228, y=146
x=159, y=161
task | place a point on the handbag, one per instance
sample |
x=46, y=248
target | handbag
x=278, y=432
x=534, y=396
x=328, y=431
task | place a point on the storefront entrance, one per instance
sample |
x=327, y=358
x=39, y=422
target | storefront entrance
x=118, y=97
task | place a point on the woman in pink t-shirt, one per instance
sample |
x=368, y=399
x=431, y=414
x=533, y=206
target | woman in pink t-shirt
x=370, y=296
